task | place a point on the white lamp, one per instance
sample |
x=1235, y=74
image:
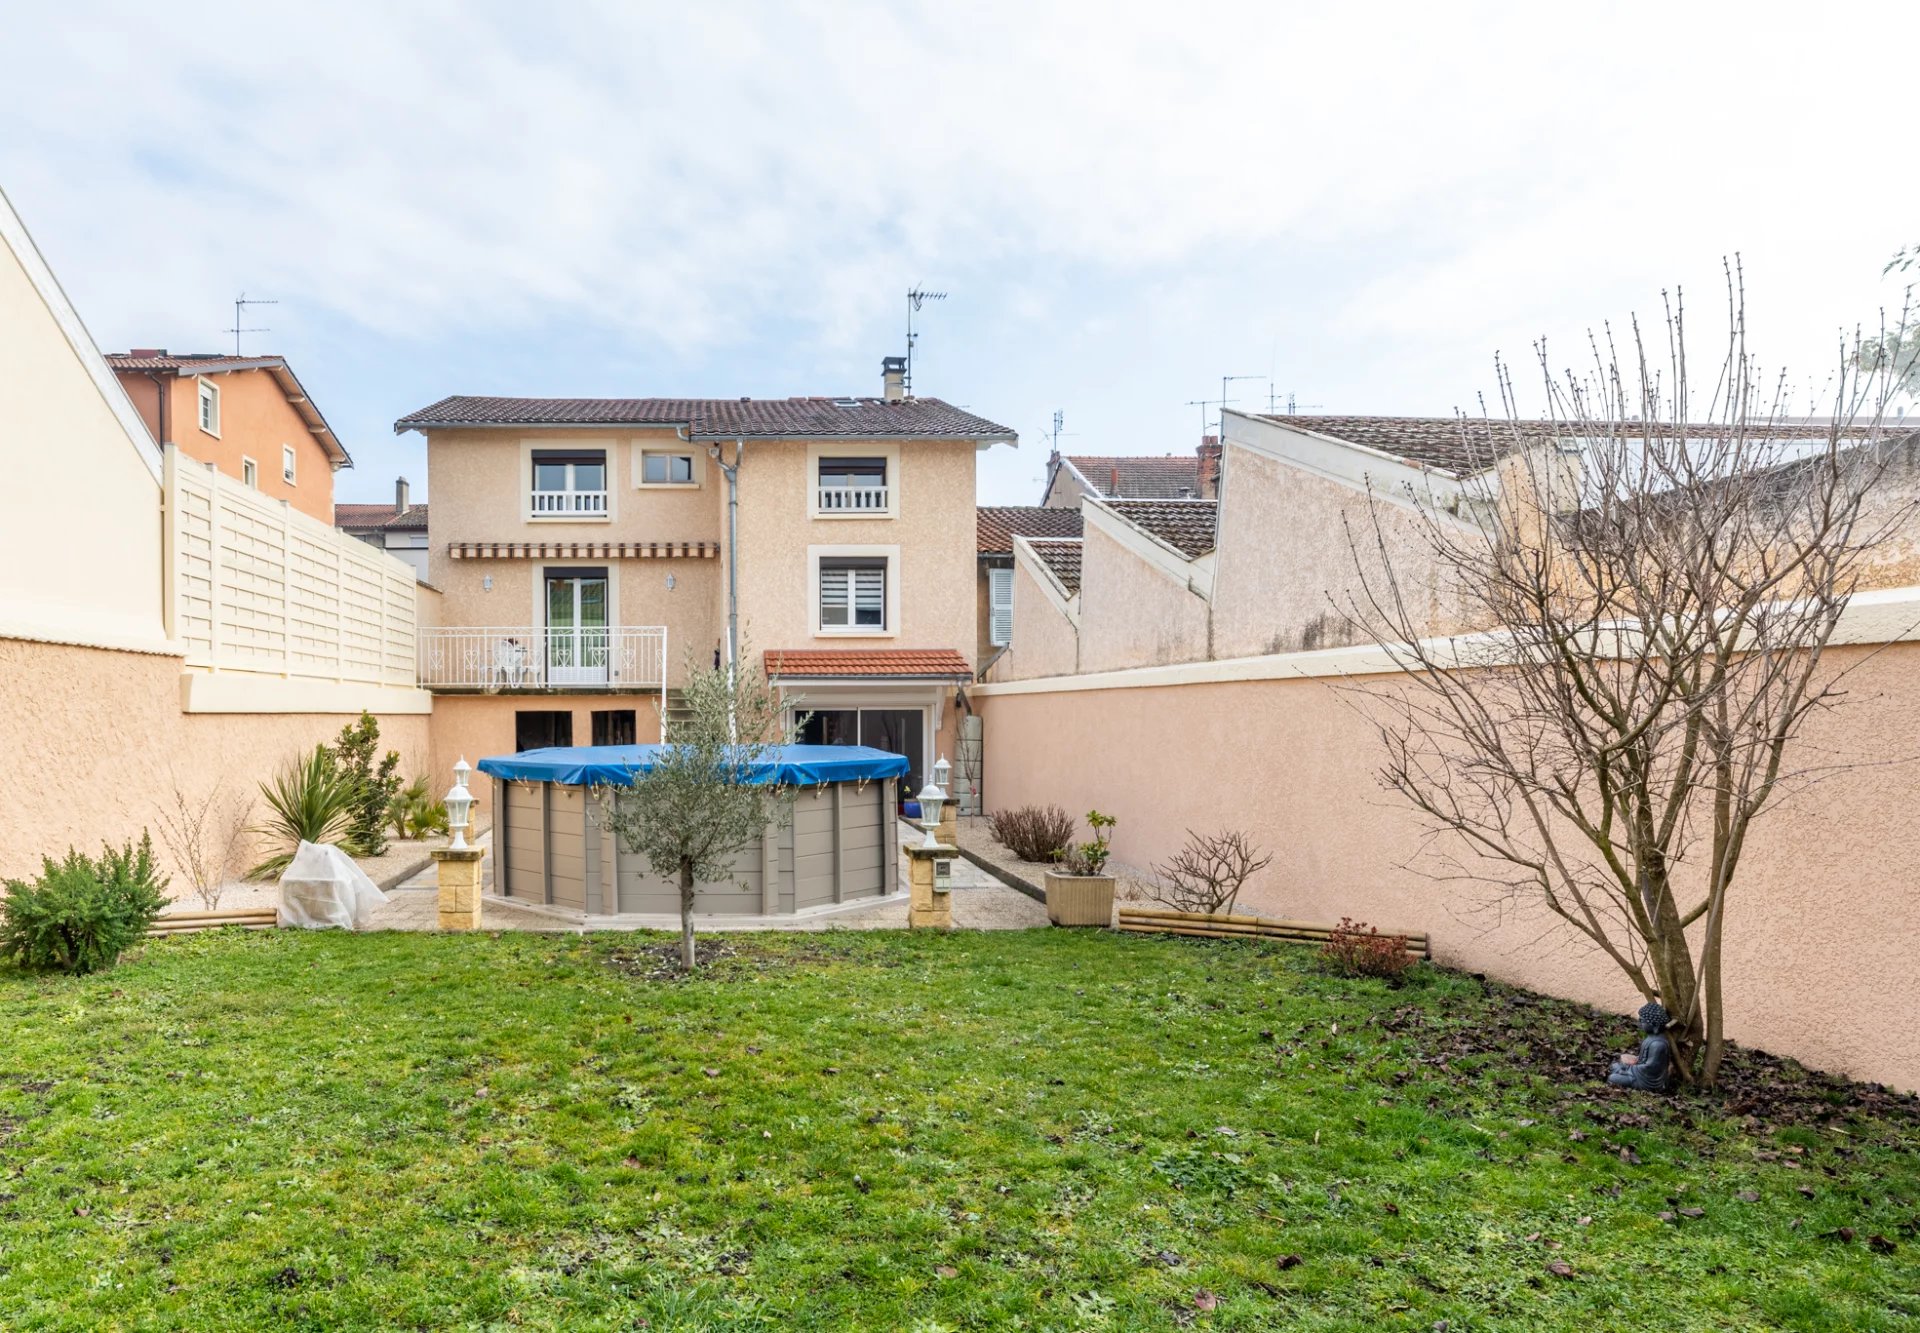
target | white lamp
x=941, y=771
x=459, y=804
x=931, y=799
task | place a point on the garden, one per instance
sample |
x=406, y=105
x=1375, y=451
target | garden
x=1041, y=1130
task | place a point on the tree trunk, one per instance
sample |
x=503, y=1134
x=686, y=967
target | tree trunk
x=686, y=916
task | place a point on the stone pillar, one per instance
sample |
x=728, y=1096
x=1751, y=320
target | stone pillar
x=948, y=830
x=458, y=874
x=929, y=896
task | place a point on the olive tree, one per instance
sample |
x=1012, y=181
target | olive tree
x=707, y=794
x=1656, y=567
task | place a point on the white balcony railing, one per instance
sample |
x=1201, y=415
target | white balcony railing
x=853, y=500
x=570, y=504
x=519, y=657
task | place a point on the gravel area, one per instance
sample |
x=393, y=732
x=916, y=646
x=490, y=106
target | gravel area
x=979, y=846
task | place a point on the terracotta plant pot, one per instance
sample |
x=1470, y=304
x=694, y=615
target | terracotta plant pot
x=1079, y=900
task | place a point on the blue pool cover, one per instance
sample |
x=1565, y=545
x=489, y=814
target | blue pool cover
x=615, y=765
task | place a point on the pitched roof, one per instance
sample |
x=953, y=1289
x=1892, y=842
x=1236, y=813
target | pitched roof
x=1465, y=445
x=995, y=526
x=379, y=518
x=720, y=418
x=214, y=363
x=1118, y=477
x=908, y=663
x=1062, y=556
x=1185, y=525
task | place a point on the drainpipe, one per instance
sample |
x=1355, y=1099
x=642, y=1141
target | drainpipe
x=164, y=396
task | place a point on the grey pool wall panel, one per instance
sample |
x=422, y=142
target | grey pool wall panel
x=842, y=845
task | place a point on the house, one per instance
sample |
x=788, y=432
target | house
x=590, y=551
x=995, y=527
x=399, y=529
x=1122, y=477
x=246, y=415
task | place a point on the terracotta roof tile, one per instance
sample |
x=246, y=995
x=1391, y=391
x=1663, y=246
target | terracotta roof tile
x=918, y=663
x=996, y=525
x=1185, y=525
x=1062, y=556
x=188, y=361
x=719, y=418
x=1118, y=477
x=1464, y=446
x=379, y=518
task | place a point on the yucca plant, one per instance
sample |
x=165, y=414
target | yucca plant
x=309, y=800
x=416, y=812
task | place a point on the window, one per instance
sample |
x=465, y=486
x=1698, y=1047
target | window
x=852, y=486
x=853, y=594
x=569, y=484
x=286, y=463
x=537, y=729
x=250, y=473
x=209, y=407
x=613, y=726
x=999, y=607
x=666, y=469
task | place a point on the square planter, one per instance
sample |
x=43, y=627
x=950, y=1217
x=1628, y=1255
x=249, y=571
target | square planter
x=1079, y=900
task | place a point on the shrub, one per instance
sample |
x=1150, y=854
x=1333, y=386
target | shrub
x=309, y=801
x=1356, y=949
x=373, y=787
x=1090, y=858
x=1032, y=832
x=1208, y=873
x=81, y=914
x=415, y=812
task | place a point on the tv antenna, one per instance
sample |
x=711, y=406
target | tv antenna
x=916, y=297
x=1053, y=435
x=240, y=304
x=1225, y=380
x=1273, y=402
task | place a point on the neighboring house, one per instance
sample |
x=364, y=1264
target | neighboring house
x=246, y=415
x=1193, y=476
x=399, y=529
x=582, y=548
x=995, y=528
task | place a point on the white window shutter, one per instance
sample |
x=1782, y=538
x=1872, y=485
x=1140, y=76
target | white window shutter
x=999, y=607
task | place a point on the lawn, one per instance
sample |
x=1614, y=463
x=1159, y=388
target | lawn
x=1038, y=1130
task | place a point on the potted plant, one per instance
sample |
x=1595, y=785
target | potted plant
x=1080, y=892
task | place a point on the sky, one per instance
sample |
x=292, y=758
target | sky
x=1358, y=206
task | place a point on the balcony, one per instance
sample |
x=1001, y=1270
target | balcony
x=569, y=504
x=520, y=657
x=876, y=501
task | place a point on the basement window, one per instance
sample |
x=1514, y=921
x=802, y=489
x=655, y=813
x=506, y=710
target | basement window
x=539, y=728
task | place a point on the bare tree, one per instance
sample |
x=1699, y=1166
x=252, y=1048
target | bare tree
x=1658, y=589
x=1207, y=874
x=707, y=794
x=203, y=837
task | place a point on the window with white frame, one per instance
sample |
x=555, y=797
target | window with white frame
x=999, y=607
x=209, y=407
x=250, y=473
x=666, y=469
x=286, y=464
x=852, y=486
x=569, y=483
x=853, y=593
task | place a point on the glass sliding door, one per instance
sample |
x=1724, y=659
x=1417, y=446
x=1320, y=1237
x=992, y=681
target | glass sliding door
x=578, y=628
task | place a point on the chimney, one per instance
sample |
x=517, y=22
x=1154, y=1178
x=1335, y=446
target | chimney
x=400, y=497
x=893, y=378
x=1208, y=480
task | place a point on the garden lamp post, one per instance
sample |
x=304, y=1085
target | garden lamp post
x=459, y=803
x=931, y=799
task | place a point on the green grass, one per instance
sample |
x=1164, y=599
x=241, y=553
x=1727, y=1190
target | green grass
x=1040, y=1130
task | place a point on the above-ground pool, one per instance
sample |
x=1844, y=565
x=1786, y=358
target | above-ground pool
x=551, y=849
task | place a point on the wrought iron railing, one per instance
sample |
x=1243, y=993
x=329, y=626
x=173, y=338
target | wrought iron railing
x=519, y=657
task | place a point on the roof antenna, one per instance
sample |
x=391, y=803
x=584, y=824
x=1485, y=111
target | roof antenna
x=915, y=298
x=1273, y=402
x=240, y=304
x=1053, y=436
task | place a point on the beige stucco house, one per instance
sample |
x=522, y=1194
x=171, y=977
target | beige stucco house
x=1194, y=476
x=588, y=556
x=996, y=528
x=400, y=529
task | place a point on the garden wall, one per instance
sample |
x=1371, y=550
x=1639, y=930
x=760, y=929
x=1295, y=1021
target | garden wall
x=1821, y=962
x=95, y=740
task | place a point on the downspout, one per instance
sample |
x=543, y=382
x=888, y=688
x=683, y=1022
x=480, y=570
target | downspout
x=164, y=396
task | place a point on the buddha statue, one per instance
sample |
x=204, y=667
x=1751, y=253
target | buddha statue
x=1651, y=1068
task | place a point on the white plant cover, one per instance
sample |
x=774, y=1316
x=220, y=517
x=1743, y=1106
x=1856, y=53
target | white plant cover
x=323, y=888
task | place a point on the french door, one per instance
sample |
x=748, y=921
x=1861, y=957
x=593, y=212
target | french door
x=578, y=635
x=895, y=730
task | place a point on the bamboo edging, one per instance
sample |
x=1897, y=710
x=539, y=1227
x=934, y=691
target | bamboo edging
x=189, y=923
x=1229, y=926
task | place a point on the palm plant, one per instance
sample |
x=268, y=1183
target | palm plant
x=309, y=800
